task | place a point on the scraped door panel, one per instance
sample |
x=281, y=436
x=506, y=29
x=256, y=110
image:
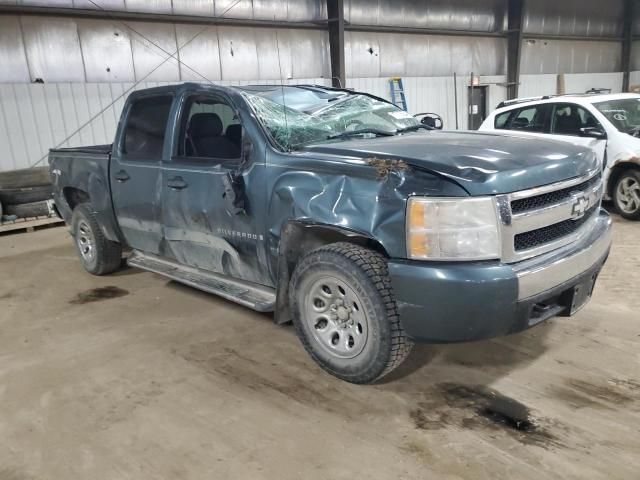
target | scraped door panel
x=199, y=230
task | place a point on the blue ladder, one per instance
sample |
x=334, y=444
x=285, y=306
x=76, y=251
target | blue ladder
x=397, y=93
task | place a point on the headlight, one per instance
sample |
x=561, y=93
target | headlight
x=452, y=229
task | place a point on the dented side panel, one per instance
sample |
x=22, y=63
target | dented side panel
x=356, y=195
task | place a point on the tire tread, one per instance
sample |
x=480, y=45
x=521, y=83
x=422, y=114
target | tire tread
x=374, y=266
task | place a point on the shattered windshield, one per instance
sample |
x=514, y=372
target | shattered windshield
x=624, y=114
x=298, y=116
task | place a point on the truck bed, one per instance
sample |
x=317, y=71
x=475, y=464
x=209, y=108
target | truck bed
x=93, y=149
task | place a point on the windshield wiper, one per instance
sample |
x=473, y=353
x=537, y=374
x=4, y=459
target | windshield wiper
x=413, y=128
x=375, y=131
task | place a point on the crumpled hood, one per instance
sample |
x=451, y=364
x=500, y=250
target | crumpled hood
x=482, y=163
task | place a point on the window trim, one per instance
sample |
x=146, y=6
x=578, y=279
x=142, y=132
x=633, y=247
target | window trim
x=179, y=131
x=143, y=158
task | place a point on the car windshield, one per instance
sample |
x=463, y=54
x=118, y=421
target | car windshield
x=299, y=116
x=624, y=114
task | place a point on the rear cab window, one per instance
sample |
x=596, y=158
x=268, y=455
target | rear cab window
x=146, y=125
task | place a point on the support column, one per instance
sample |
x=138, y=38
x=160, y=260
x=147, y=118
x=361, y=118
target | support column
x=335, y=14
x=515, y=15
x=627, y=41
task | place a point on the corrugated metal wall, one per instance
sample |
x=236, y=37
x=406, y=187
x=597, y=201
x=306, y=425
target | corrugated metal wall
x=57, y=49
x=85, y=63
x=35, y=117
x=469, y=15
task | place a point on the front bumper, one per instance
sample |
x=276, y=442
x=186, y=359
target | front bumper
x=442, y=302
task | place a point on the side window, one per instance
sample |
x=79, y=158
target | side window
x=502, y=119
x=568, y=119
x=530, y=119
x=146, y=126
x=210, y=131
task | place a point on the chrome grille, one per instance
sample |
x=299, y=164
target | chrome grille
x=539, y=220
x=539, y=201
x=550, y=233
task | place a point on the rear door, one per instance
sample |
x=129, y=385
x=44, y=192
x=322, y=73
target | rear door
x=202, y=229
x=135, y=171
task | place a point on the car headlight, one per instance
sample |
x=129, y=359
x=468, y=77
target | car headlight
x=452, y=229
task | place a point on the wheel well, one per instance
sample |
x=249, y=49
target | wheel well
x=298, y=239
x=75, y=196
x=618, y=170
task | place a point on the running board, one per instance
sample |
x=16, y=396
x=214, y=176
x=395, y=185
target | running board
x=257, y=297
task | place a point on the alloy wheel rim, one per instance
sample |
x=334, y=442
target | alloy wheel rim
x=628, y=195
x=335, y=316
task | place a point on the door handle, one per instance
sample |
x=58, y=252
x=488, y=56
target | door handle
x=177, y=183
x=121, y=176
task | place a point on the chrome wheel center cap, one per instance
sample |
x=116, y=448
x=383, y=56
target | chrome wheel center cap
x=343, y=314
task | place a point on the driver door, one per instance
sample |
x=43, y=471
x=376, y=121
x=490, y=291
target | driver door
x=201, y=227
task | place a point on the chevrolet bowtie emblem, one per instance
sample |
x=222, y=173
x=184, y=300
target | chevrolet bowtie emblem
x=580, y=205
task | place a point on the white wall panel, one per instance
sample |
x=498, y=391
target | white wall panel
x=386, y=54
x=569, y=56
x=36, y=117
x=535, y=85
x=147, y=56
x=53, y=49
x=581, y=82
x=13, y=60
x=198, y=50
x=106, y=49
x=634, y=78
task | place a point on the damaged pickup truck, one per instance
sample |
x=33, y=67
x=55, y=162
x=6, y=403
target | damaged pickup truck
x=342, y=213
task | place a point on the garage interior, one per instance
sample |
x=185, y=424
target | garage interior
x=135, y=376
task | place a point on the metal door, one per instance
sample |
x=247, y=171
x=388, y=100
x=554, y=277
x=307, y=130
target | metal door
x=135, y=170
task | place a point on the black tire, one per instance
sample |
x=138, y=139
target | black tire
x=26, y=177
x=27, y=210
x=358, y=273
x=107, y=255
x=18, y=196
x=630, y=208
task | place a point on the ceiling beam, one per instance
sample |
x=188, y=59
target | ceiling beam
x=156, y=17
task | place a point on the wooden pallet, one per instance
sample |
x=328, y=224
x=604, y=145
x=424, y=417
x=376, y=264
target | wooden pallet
x=23, y=225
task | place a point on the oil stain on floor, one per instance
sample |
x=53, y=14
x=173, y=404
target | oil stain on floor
x=98, y=294
x=480, y=408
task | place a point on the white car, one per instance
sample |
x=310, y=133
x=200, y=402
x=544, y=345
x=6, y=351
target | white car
x=609, y=123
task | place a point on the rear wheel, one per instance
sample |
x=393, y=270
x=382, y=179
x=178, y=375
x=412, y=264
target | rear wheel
x=626, y=194
x=345, y=313
x=98, y=255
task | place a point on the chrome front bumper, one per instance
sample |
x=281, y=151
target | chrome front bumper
x=550, y=270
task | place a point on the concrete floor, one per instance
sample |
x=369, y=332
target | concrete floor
x=150, y=379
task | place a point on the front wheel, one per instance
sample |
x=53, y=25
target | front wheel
x=626, y=194
x=345, y=313
x=98, y=255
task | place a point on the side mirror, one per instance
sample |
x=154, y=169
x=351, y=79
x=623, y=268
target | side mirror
x=593, y=132
x=431, y=120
